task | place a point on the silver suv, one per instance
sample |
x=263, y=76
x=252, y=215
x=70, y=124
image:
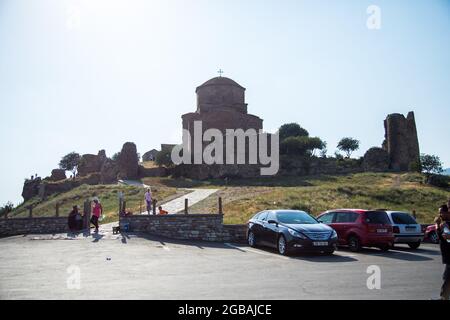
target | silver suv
x=406, y=229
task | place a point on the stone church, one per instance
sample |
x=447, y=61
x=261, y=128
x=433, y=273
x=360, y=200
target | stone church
x=220, y=105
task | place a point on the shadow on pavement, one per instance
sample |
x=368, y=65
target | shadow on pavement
x=124, y=237
x=392, y=254
x=420, y=250
x=97, y=237
x=310, y=256
x=196, y=243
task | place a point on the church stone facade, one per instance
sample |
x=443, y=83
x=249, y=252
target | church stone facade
x=220, y=105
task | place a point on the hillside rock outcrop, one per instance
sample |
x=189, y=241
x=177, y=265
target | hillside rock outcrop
x=401, y=141
x=376, y=160
x=58, y=175
x=128, y=162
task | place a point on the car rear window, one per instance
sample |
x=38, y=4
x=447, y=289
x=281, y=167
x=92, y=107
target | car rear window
x=402, y=218
x=377, y=217
x=346, y=217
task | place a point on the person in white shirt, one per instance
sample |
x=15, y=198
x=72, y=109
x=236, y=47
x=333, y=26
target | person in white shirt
x=148, y=200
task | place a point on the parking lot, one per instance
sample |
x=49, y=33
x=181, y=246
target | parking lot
x=132, y=267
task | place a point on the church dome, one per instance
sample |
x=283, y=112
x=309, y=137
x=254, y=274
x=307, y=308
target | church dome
x=221, y=92
x=220, y=81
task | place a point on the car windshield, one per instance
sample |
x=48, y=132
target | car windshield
x=295, y=217
x=378, y=217
x=402, y=218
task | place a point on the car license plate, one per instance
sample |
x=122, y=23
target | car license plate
x=410, y=229
x=381, y=230
x=320, y=243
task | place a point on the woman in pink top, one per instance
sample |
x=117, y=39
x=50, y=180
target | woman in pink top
x=97, y=210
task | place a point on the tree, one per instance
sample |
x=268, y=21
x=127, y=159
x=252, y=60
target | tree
x=348, y=145
x=292, y=130
x=70, y=162
x=115, y=156
x=315, y=143
x=164, y=158
x=430, y=164
x=301, y=145
x=7, y=208
x=324, y=150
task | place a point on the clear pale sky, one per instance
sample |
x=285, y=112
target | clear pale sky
x=89, y=75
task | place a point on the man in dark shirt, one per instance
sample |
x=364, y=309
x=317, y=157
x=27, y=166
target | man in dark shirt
x=441, y=223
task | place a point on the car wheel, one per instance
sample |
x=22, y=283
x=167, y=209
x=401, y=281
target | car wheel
x=354, y=243
x=414, y=245
x=251, y=239
x=385, y=247
x=433, y=236
x=282, y=246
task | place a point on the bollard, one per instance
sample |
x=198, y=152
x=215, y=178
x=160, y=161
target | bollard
x=154, y=206
x=186, y=206
x=30, y=211
x=57, y=210
x=87, y=215
x=414, y=214
x=220, y=205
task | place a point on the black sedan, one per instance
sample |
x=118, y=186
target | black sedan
x=291, y=230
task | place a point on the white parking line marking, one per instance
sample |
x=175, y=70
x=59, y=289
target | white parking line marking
x=256, y=251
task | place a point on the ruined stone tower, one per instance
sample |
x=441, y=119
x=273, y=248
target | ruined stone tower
x=401, y=141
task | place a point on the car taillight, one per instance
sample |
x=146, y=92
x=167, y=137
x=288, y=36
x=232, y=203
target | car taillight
x=396, y=229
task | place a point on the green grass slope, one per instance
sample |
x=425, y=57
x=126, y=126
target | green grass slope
x=108, y=195
x=317, y=194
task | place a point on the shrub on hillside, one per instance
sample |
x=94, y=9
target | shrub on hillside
x=7, y=208
x=301, y=145
x=438, y=180
x=292, y=130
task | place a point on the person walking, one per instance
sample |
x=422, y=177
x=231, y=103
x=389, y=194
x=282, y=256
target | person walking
x=442, y=229
x=97, y=211
x=148, y=200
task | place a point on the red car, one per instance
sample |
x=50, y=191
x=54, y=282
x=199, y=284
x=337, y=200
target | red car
x=431, y=234
x=359, y=228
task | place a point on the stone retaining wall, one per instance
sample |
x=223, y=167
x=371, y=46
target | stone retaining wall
x=206, y=227
x=39, y=225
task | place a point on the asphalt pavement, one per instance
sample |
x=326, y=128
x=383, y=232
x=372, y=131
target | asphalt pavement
x=141, y=267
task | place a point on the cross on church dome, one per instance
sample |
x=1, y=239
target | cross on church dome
x=220, y=72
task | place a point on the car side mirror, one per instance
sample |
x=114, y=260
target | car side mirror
x=272, y=222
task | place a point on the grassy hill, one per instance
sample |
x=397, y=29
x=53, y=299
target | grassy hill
x=243, y=198
x=108, y=195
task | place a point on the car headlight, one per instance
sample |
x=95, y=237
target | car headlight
x=334, y=234
x=296, y=234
